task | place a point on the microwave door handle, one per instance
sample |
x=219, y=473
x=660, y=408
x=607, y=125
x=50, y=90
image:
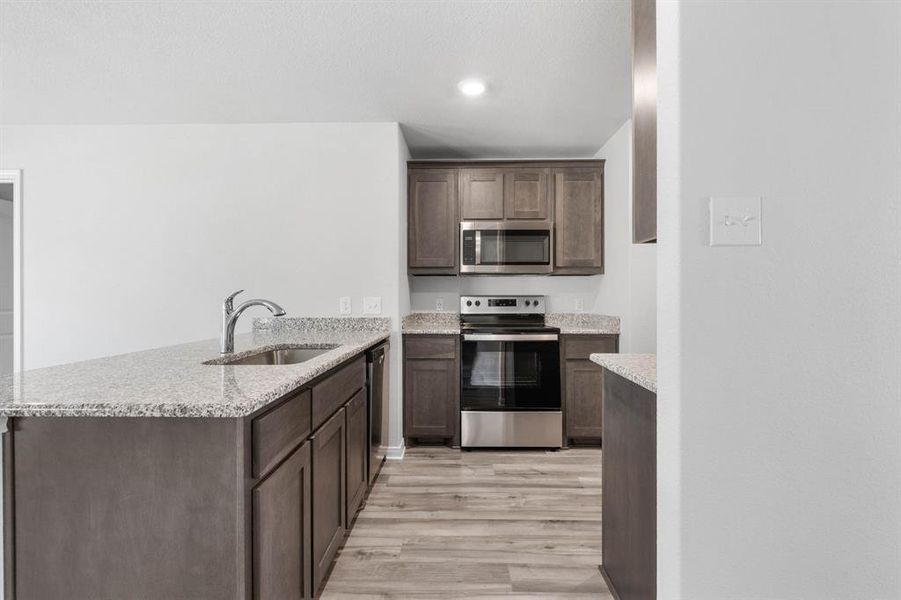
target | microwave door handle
x=478, y=247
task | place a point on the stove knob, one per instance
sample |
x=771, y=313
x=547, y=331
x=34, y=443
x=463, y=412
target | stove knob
x=469, y=303
x=527, y=303
x=535, y=303
x=478, y=303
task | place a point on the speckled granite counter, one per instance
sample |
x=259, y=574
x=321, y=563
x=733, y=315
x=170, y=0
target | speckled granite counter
x=637, y=368
x=432, y=323
x=583, y=323
x=174, y=382
x=448, y=323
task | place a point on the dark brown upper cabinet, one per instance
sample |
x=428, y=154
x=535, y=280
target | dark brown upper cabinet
x=525, y=194
x=579, y=221
x=481, y=194
x=441, y=194
x=432, y=221
x=644, y=121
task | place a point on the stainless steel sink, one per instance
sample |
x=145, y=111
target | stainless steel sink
x=281, y=356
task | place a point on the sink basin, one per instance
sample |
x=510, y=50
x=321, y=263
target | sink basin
x=281, y=356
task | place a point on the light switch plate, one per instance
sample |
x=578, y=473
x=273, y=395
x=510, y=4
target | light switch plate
x=344, y=305
x=580, y=305
x=439, y=304
x=735, y=221
x=372, y=305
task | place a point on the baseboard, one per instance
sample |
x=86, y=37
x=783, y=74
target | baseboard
x=609, y=583
x=396, y=452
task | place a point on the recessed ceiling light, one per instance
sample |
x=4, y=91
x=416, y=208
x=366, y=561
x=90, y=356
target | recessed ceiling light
x=472, y=87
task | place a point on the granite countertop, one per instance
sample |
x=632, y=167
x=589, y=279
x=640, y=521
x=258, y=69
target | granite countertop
x=448, y=323
x=583, y=323
x=432, y=323
x=640, y=369
x=174, y=381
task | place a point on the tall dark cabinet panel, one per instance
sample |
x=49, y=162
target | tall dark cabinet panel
x=582, y=384
x=644, y=121
x=431, y=386
x=357, y=453
x=433, y=224
x=329, y=495
x=579, y=220
x=281, y=531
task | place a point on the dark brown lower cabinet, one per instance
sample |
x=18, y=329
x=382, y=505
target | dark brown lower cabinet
x=329, y=495
x=582, y=382
x=281, y=531
x=432, y=387
x=178, y=507
x=629, y=479
x=357, y=453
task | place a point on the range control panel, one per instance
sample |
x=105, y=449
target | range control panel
x=502, y=305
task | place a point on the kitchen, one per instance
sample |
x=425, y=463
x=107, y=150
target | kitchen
x=440, y=378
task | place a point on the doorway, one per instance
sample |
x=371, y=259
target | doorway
x=10, y=272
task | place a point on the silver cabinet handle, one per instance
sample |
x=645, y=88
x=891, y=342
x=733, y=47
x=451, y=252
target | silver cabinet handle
x=498, y=337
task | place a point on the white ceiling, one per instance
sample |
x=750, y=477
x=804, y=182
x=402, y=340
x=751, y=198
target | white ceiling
x=558, y=72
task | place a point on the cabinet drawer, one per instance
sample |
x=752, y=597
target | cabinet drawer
x=444, y=346
x=581, y=346
x=330, y=394
x=278, y=432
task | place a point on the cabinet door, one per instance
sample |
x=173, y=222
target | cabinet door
x=525, y=194
x=431, y=393
x=482, y=194
x=329, y=495
x=281, y=531
x=579, y=219
x=357, y=453
x=584, y=400
x=432, y=221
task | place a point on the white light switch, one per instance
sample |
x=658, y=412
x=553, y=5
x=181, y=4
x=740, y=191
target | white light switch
x=372, y=305
x=439, y=304
x=735, y=221
x=344, y=305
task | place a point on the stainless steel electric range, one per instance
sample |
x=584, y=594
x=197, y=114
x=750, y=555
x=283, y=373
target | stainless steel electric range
x=510, y=374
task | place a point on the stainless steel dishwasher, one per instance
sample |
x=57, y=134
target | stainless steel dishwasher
x=377, y=383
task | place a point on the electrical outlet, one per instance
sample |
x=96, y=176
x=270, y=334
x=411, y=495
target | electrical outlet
x=344, y=305
x=439, y=304
x=372, y=305
x=580, y=304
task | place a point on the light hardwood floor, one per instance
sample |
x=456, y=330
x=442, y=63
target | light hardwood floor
x=445, y=524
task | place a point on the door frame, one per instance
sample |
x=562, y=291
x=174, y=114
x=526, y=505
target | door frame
x=14, y=176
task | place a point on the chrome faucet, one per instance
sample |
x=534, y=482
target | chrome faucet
x=230, y=318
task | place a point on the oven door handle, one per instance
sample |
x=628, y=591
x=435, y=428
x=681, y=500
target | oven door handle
x=513, y=337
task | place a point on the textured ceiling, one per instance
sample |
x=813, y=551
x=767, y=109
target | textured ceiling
x=558, y=72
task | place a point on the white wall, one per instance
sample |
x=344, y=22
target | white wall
x=134, y=234
x=779, y=429
x=628, y=286
x=6, y=278
x=626, y=289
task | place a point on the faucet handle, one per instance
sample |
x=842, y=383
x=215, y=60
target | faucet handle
x=228, y=304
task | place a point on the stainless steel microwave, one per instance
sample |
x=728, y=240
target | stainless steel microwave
x=506, y=247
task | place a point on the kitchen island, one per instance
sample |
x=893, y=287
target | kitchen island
x=166, y=474
x=629, y=475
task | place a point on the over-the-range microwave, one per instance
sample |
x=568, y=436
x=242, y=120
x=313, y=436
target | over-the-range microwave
x=520, y=247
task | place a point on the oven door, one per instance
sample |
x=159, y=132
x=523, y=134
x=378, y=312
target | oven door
x=506, y=247
x=510, y=372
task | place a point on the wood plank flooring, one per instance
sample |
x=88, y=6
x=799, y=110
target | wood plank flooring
x=445, y=524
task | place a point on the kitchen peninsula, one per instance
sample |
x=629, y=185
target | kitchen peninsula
x=165, y=473
x=629, y=474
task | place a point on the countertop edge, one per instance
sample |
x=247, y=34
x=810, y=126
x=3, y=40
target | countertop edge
x=640, y=369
